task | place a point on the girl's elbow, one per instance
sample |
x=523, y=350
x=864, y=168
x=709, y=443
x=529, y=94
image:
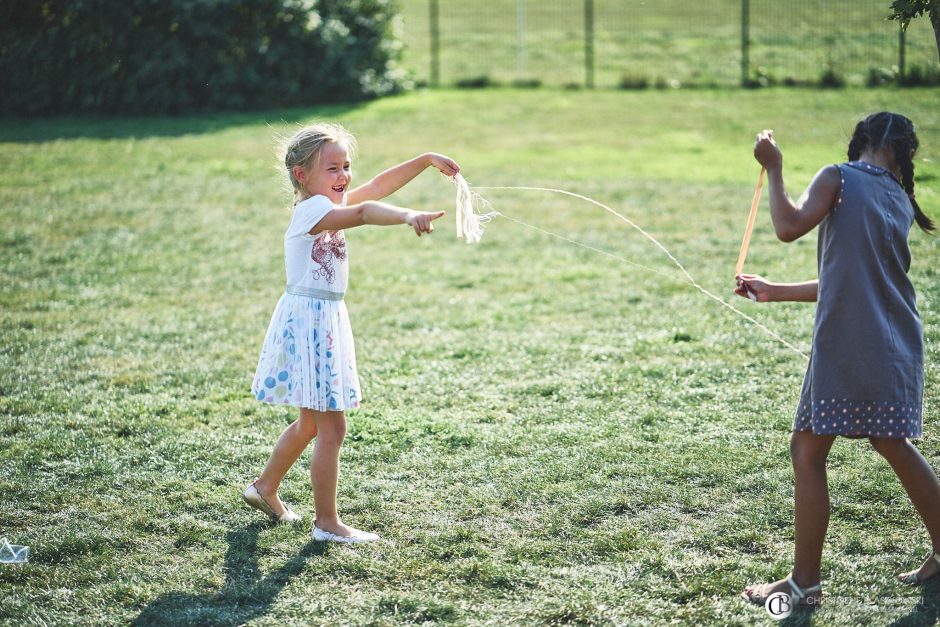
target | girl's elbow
x=786, y=235
x=788, y=232
x=360, y=216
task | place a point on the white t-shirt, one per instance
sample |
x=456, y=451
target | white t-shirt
x=315, y=262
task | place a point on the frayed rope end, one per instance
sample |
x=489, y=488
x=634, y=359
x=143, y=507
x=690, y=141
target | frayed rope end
x=472, y=211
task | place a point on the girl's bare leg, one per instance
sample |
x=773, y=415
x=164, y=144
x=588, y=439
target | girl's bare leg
x=324, y=470
x=294, y=439
x=922, y=486
x=808, y=452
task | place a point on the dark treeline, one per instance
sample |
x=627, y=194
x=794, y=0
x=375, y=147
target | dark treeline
x=182, y=56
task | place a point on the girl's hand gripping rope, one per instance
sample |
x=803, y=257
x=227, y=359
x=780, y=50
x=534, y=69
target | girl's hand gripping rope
x=753, y=286
x=446, y=165
x=766, y=150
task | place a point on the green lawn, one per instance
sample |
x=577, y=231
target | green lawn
x=661, y=42
x=550, y=436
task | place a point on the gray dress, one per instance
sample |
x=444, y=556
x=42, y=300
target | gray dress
x=866, y=372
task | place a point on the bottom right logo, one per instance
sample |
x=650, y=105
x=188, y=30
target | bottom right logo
x=779, y=605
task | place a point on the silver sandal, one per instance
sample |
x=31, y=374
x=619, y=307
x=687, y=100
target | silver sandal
x=798, y=595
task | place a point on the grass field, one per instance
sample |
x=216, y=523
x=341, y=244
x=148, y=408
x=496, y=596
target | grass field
x=661, y=42
x=550, y=436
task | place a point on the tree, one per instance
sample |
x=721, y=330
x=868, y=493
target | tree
x=906, y=10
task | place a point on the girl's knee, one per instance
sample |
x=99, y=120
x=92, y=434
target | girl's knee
x=331, y=426
x=808, y=452
x=804, y=460
x=306, y=427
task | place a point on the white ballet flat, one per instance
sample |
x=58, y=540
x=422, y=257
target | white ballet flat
x=254, y=498
x=357, y=537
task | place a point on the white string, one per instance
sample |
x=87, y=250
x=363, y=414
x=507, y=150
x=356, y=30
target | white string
x=468, y=201
x=589, y=247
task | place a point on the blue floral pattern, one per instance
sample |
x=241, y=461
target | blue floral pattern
x=308, y=358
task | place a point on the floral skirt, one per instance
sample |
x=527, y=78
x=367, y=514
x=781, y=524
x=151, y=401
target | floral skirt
x=308, y=358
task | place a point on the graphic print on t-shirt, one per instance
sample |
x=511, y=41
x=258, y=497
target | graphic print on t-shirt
x=326, y=249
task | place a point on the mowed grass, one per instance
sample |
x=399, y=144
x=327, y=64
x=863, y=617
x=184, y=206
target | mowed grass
x=550, y=436
x=665, y=42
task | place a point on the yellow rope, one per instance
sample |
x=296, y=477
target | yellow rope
x=746, y=242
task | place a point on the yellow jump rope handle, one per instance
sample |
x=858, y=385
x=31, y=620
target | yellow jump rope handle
x=746, y=242
x=739, y=267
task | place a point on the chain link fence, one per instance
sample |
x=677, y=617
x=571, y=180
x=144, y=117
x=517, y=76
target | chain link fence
x=635, y=43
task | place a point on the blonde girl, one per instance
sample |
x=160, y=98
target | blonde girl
x=308, y=360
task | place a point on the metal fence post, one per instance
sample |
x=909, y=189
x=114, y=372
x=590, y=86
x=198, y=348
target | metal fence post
x=589, y=43
x=522, y=71
x=745, y=42
x=435, y=24
x=902, y=44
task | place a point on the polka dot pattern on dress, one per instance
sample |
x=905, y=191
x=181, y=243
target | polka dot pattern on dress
x=859, y=418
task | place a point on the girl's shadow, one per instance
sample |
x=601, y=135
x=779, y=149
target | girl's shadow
x=927, y=611
x=244, y=596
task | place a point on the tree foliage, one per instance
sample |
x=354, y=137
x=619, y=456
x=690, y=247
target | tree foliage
x=178, y=56
x=906, y=10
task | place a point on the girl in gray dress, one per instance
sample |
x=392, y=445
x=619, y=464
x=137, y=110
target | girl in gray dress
x=866, y=373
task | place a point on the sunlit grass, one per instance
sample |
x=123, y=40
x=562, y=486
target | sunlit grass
x=549, y=436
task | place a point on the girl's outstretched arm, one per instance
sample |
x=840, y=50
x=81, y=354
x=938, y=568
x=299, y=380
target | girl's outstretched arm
x=794, y=220
x=393, y=179
x=377, y=213
x=765, y=291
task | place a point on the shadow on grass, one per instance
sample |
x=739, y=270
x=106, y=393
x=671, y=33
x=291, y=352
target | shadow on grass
x=243, y=597
x=800, y=616
x=38, y=130
x=927, y=610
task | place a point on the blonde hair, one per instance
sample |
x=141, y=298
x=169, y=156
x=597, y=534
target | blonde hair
x=304, y=148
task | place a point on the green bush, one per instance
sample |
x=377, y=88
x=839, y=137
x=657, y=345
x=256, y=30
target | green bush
x=180, y=56
x=917, y=76
x=879, y=76
x=632, y=81
x=831, y=79
x=760, y=77
x=527, y=83
x=476, y=82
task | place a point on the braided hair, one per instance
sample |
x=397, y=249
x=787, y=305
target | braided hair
x=894, y=131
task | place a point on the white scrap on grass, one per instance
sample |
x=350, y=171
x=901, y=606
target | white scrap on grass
x=12, y=553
